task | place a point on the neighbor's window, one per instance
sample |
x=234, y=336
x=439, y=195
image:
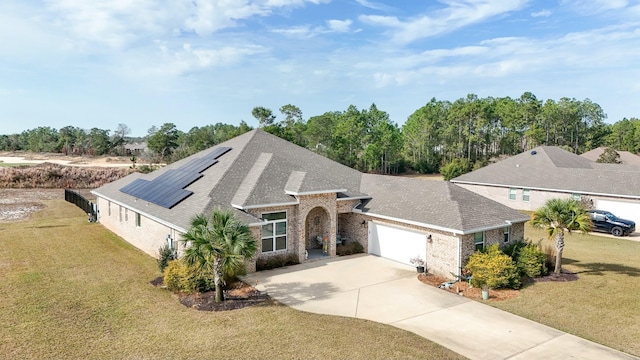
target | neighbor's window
x=109, y=208
x=126, y=215
x=526, y=194
x=479, y=240
x=274, y=233
x=120, y=214
x=575, y=196
x=138, y=219
x=512, y=194
x=506, y=232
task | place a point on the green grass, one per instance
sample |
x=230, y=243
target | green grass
x=4, y=164
x=603, y=305
x=72, y=290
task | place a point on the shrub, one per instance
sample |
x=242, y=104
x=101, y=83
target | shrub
x=276, y=261
x=349, y=249
x=494, y=269
x=528, y=257
x=531, y=261
x=455, y=168
x=180, y=277
x=166, y=254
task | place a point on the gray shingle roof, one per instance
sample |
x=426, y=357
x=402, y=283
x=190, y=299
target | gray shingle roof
x=552, y=168
x=437, y=204
x=263, y=170
x=626, y=157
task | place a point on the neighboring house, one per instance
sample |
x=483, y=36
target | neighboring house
x=290, y=197
x=626, y=157
x=135, y=148
x=527, y=180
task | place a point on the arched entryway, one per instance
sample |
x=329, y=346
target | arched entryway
x=317, y=228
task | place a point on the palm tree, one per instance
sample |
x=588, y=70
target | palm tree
x=558, y=215
x=218, y=244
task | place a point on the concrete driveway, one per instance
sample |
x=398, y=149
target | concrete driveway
x=373, y=288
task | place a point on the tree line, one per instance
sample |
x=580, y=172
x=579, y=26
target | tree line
x=465, y=133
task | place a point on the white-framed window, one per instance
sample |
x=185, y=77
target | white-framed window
x=526, y=194
x=478, y=239
x=274, y=232
x=513, y=193
x=138, y=219
x=576, y=196
x=120, y=214
x=109, y=208
x=506, y=234
x=126, y=215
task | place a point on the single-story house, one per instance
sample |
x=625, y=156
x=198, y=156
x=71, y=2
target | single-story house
x=527, y=180
x=298, y=202
x=626, y=157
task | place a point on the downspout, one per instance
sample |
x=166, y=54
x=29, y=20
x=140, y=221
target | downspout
x=458, y=272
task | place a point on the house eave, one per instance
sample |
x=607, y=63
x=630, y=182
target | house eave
x=494, y=227
x=316, y=192
x=147, y=215
x=410, y=222
x=582, y=192
x=249, y=207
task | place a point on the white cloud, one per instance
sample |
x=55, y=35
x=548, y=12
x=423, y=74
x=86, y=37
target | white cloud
x=339, y=25
x=374, y=5
x=542, y=13
x=456, y=14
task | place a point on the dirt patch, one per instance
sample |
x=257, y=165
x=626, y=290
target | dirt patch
x=19, y=204
x=237, y=296
x=465, y=289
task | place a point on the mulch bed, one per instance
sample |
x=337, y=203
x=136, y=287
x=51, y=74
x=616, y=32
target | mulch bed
x=237, y=296
x=463, y=288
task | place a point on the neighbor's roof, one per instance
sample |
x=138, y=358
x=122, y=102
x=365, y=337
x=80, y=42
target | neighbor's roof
x=626, y=157
x=552, y=168
x=436, y=204
x=260, y=170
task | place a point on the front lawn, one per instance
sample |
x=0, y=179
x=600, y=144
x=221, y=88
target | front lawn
x=603, y=305
x=73, y=290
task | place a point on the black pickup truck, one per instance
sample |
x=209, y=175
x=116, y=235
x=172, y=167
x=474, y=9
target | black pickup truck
x=604, y=221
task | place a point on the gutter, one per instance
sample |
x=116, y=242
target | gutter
x=581, y=192
x=154, y=218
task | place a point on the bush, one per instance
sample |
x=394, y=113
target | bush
x=493, y=269
x=276, y=261
x=180, y=277
x=349, y=249
x=166, y=254
x=531, y=261
x=455, y=168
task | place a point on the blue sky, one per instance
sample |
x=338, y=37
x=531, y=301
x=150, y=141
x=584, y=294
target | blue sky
x=197, y=62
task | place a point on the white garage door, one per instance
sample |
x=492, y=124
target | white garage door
x=622, y=209
x=395, y=243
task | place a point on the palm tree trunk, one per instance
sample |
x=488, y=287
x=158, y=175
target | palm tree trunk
x=217, y=279
x=559, y=248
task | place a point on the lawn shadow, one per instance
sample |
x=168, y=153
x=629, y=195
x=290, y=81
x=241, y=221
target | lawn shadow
x=602, y=268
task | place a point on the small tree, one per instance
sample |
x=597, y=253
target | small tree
x=609, y=156
x=455, y=168
x=219, y=244
x=558, y=216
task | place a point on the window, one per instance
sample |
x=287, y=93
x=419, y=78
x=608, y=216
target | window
x=479, y=240
x=512, y=194
x=109, y=208
x=575, y=196
x=138, y=219
x=526, y=194
x=506, y=233
x=126, y=215
x=120, y=214
x=274, y=233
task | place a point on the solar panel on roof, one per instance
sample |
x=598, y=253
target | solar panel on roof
x=168, y=189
